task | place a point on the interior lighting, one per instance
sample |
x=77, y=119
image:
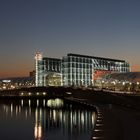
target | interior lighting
x=4, y=87
x=44, y=93
x=123, y=83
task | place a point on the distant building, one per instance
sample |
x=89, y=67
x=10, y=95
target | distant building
x=16, y=82
x=32, y=73
x=75, y=70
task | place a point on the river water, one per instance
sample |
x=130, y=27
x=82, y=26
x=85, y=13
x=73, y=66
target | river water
x=53, y=119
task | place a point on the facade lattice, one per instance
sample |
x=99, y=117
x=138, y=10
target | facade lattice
x=78, y=70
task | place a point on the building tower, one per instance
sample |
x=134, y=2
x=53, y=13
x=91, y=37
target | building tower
x=38, y=69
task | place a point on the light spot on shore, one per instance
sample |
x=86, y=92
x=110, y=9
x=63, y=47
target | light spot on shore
x=97, y=138
x=99, y=124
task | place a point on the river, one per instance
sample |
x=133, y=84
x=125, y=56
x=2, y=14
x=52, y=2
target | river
x=53, y=119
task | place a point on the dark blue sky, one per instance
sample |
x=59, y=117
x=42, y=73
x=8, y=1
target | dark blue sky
x=106, y=28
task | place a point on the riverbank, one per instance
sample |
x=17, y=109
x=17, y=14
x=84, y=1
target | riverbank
x=96, y=96
x=118, y=118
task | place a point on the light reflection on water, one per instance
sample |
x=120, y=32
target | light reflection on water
x=49, y=119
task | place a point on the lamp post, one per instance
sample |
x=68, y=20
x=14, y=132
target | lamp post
x=123, y=83
x=138, y=86
x=102, y=84
x=130, y=86
x=114, y=85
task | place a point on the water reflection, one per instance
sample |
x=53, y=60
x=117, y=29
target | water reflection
x=38, y=124
x=55, y=103
x=63, y=120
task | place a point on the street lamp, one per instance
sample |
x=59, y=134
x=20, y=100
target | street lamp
x=124, y=87
x=130, y=86
x=103, y=84
x=138, y=86
x=123, y=83
x=114, y=84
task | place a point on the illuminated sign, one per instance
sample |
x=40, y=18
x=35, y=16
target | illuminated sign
x=6, y=81
x=98, y=74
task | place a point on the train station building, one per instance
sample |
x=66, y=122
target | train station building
x=75, y=69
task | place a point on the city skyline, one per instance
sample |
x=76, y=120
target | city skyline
x=56, y=27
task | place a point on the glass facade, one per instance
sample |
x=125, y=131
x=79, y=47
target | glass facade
x=78, y=70
x=52, y=64
x=52, y=72
x=38, y=69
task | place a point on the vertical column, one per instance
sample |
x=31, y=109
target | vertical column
x=38, y=69
x=61, y=69
x=92, y=71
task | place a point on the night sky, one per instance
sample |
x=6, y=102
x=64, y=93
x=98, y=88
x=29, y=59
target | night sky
x=105, y=28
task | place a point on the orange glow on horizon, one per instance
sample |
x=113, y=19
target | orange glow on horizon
x=24, y=73
x=14, y=74
x=135, y=68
